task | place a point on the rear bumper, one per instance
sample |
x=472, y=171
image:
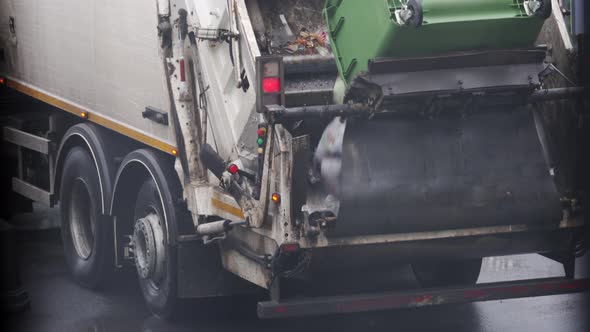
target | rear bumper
x=372, y=258
x=355, y=252
x=420, y=298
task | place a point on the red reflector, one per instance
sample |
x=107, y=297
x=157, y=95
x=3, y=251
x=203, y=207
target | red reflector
x=182, y=73
x=233, y=169
x=281, y=310
x=271, y=85
x=290, y=247
x=475, y=294
x=1, y=80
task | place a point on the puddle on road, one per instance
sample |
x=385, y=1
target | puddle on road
x=519, y=267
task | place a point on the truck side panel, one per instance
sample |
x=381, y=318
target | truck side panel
x=99, y=56
x=231, y=106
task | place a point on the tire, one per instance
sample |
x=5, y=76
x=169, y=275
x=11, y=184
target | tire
x=418, y=17
x=86, y=233
x=447, y=273
x=544, y=11
x=160, y=288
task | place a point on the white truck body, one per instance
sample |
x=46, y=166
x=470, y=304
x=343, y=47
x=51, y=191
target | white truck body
x=102, y=57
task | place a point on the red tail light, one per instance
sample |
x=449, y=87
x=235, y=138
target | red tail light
x=270, y=90
x=182, y=71
x=290, y=247
x=271, y=85
x=233, y=169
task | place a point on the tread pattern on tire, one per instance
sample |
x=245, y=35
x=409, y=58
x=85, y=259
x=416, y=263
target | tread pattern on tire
x=93, y=271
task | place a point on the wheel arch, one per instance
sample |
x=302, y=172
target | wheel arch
x=135, y=168
x=95, y=140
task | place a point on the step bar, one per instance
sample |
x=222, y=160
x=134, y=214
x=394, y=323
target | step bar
x=34, y=143
x=420, y=297
x=26, y=140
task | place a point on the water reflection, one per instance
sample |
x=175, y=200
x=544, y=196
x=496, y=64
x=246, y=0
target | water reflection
x=58, y=304
x=447, y=318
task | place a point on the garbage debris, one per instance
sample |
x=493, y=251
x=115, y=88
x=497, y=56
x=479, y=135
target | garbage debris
x=328, y=155
x=306, y=43
x=291, y=27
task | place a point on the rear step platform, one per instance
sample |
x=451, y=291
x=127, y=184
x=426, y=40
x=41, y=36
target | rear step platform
x=420, y=297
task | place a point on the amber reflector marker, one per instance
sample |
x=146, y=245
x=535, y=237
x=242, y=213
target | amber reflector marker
x=276, y=198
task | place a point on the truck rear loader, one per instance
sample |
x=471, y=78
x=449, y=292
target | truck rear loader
x=301, y=147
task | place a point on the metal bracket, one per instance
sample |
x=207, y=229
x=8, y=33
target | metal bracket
x=165, y=33
x=11, y=25
x=155, y=115
x=210, y=239
x=215, y=35
x=546, y=73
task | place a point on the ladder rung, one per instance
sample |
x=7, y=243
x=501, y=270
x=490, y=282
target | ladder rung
x=30, y=191
x=26, y=140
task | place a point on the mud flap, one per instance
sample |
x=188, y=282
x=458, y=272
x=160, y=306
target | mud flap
x=200, y=274
x=446, y=172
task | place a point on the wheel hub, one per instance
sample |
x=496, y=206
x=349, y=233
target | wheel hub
x=148, y=240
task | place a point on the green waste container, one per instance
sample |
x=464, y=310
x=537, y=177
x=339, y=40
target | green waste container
x=361, y=30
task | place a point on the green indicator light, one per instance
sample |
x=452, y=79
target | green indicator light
x=261, y=141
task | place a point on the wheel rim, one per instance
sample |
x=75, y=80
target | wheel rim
x=82, y=223
x=149, y=248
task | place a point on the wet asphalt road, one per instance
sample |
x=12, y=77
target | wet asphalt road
x=58, y=304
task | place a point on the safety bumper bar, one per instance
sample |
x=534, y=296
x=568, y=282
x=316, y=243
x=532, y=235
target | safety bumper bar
x=420, y=297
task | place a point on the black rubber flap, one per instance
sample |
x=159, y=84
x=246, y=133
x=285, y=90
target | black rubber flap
x=403, y=175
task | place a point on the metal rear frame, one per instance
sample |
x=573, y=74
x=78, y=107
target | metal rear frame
x=420, y=297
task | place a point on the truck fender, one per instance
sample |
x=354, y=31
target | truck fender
x=134, y=169
x=95, y=140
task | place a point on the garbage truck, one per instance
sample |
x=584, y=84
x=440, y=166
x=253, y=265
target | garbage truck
x=300, y=147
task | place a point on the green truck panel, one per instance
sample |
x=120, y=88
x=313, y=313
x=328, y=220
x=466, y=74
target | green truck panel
x=365, y=30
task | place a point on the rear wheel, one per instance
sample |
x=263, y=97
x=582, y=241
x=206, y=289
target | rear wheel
x=155, y=259
x=86, y=233
x=447, y=273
